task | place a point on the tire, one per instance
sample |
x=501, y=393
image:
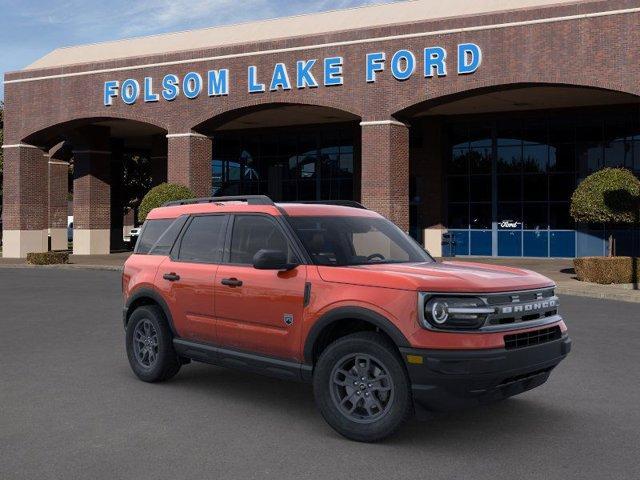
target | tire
x=383, y=404
x=160, y=361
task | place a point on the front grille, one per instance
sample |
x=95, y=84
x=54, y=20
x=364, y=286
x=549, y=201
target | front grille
x=528, y=296
x=535, y=337
x=519, y=307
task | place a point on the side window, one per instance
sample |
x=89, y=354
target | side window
x=203, y=241
x=252, y=233
x=168, y=238
x=151, y=232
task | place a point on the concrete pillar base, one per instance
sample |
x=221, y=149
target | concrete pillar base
x=59, y=239
x=433, y=240
x=91, y=242
x=17, y=243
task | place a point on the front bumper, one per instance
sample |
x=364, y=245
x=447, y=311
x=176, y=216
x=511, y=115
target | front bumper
x=452, y=379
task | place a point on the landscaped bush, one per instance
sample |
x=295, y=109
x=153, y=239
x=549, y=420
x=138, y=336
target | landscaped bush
x=158, y=196
x=48, y=258
x=609, y=195
x=607, y=270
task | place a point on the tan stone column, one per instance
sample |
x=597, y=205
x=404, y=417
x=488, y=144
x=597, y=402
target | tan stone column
x=58, y=192
x=24, y=201
x=91, y=202
x=385, y=169
x=91, y=191
x=189, y=161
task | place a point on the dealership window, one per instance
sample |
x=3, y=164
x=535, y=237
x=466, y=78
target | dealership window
x=511, y=178
x=307, y=163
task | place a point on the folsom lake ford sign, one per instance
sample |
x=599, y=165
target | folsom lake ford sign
x=309, y=73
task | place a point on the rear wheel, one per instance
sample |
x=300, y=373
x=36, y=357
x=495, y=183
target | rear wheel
x=150, y=345
x=361, y=387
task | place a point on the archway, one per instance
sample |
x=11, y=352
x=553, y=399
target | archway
x=496, y=167
x=102, y=166
x=286, y=151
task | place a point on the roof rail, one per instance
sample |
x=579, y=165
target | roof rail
x=340, y=203
x=250, y=199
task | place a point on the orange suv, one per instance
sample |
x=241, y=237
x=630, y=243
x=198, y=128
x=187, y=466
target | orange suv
x=336, y=295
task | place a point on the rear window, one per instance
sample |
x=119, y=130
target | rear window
x=151, y=232
x=165, y=243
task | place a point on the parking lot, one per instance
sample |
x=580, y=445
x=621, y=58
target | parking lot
x=71, y=408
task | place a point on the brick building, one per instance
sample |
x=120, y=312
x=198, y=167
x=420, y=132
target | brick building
x=474, y=117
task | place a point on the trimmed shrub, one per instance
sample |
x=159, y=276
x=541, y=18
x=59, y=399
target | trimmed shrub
x=607, y=270
x=48, y=258
x=610, y=195
x=158, y=196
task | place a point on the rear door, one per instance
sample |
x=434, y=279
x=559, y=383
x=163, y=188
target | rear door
x=187, y=277
x=259, y=310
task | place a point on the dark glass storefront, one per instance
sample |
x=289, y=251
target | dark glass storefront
x=303, y=163
x=509, y=179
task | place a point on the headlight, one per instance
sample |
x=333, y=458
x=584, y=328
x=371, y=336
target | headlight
x=454, y=312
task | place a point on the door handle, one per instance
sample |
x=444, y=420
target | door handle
x=172, y=277
x=231, y=282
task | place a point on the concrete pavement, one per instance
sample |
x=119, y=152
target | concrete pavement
x=71, y=408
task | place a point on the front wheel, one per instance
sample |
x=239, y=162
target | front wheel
x=150, y=345
x=361, y=387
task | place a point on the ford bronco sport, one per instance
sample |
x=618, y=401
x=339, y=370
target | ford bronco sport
x=336, y=295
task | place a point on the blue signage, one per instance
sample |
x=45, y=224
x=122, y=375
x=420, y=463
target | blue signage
x=310, y=73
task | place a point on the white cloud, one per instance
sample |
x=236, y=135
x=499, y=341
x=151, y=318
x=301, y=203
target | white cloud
x=97, y=21
x=153, y=16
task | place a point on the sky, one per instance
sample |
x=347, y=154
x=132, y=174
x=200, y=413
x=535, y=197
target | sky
x=30, y=29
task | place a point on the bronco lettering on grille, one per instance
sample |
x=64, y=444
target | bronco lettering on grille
x=528, y=307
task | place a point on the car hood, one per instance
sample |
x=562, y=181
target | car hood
x=438, y=277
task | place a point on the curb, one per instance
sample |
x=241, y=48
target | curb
x=617, y=296
x=70, y=266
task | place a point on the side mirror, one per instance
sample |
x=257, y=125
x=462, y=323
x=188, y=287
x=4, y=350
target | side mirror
x=272, y=260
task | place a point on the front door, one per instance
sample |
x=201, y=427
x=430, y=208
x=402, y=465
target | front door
x=259, y=310
x=187, y=279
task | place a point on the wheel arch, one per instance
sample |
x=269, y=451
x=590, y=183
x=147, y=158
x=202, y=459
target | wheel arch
x=147, y=296
x=322, y=329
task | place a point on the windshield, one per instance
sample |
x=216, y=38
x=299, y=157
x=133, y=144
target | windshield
x=341, y=241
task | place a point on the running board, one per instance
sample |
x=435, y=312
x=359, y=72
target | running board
x=250, y=362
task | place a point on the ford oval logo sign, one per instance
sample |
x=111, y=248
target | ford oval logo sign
x=509, y=224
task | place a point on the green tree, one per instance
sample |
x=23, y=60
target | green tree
x=157, y=196
x=608, y=196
